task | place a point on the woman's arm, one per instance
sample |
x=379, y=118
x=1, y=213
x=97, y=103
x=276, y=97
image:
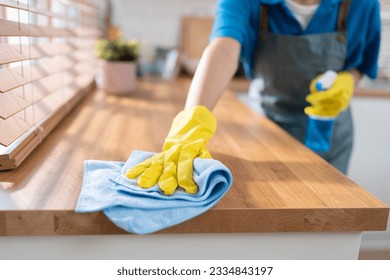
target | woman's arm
x=357, y=76
x=216, y=68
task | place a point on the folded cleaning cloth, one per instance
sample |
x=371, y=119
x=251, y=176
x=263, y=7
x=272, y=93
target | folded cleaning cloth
x=134, y=209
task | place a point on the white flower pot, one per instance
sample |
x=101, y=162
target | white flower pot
x=117, y=77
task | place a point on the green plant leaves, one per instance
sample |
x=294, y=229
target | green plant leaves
x=117, y=50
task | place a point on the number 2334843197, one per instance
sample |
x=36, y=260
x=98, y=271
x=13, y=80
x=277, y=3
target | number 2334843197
x=256, y=271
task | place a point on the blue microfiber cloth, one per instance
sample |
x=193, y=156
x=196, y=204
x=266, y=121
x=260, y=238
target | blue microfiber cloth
x=134, y=209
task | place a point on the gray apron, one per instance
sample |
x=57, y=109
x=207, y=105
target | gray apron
x=287, y=64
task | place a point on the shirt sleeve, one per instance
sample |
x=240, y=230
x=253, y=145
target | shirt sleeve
x=369, y=65
x=232, y=19
x=235, y=19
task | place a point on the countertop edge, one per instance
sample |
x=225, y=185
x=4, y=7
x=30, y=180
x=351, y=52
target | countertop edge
x=67, y=222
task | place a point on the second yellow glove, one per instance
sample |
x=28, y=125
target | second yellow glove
x=329, y=103
x=190, y=131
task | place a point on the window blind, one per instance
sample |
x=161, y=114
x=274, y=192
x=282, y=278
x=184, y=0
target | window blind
x=47, y=64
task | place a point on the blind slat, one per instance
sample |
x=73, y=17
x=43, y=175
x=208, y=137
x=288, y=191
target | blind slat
x=10, y=79
x=40, y=11
x=18, y=124
x=16, y=100
x=11, y=53
x=88, y=32
x=16, y=53
x=81, y=7
x=18, y=76
x=11, y=28
x=83, y=43
x=22, y=97
x=13, y=127
x=28, y=8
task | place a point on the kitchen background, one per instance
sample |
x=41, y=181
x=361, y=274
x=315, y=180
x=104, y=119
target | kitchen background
x=158, y=25
x=165, y=28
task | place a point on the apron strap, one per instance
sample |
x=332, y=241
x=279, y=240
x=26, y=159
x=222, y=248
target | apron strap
x=341, y=20
x=263, y=23
x=264, y=18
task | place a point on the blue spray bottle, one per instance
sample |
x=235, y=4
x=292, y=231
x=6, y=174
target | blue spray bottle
x=319, y=129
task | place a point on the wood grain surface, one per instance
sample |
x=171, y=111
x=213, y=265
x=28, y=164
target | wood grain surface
x=279, y=185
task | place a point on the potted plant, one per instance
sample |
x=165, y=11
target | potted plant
x=118, y=65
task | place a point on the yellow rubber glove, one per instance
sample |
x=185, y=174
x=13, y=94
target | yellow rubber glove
x=329, y=103
x=187, y=138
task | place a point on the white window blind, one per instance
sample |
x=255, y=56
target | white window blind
x=47, y=63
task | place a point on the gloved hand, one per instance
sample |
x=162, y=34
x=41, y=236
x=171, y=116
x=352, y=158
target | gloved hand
x=329, y=103
x=187, y=139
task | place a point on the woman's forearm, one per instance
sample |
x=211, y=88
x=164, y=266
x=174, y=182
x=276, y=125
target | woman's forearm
x=357, y=76
x=216, y=68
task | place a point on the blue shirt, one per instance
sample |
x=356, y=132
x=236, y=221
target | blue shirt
x=239, y=19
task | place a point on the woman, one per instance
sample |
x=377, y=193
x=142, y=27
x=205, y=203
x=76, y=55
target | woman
x=287, y=43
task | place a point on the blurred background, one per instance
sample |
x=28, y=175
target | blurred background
x=48, y=61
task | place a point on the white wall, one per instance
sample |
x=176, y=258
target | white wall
x=370, y=162
x=157, y=22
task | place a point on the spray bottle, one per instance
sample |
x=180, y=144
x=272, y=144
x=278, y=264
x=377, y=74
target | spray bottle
x=319, y=129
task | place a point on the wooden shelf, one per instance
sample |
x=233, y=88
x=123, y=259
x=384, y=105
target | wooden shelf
x=279, y=185
x=372, y=92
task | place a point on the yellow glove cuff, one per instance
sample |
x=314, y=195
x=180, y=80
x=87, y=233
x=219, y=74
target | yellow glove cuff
x=193, y=124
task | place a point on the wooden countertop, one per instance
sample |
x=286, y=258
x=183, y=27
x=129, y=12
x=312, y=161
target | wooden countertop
x=279, y=185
